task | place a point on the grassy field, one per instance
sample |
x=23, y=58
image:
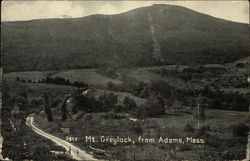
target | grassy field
x=89, y=76
x=28, y=75
x=216, y=119
x=146, y=74
x=140, y=74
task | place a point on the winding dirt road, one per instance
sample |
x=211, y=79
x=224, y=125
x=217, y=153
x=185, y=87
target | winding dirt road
x=75, y=152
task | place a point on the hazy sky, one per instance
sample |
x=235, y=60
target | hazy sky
x=26, y=10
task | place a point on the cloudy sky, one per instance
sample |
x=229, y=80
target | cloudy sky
x=26, y=10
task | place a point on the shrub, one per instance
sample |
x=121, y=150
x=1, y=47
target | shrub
x=129, y=103
x=154, y=106
x=135, y=127
x=188, y=127
x=239, y=130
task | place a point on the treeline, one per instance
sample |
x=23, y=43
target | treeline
x=191, y=72
x=108, y=102
x=202, y=72
x=216, y=99
x=62, y=81
x=154, y=89
x=55, y=80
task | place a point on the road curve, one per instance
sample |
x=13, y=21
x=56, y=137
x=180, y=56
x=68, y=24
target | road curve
x=82, y=155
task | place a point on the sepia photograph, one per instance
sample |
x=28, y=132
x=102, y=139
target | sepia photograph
x=163, y=80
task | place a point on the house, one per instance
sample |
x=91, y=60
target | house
x=65, y=130
x=90, y=92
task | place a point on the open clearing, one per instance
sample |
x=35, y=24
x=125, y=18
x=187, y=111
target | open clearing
x=89, y=76
x=28, y=75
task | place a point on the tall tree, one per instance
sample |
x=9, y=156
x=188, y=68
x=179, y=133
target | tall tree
x=64, y=111
x=129, y=103
x=47, y=107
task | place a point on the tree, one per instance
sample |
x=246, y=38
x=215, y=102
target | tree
x=109, y=100
x=41, y=153
x=17, y=79
x=188, y=127
x=239, y=129
x=47, y=107
x=64, y=111
x=129, y=103
x=154, y=106
x=111, y=86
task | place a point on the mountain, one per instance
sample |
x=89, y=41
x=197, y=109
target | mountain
x=158, y=34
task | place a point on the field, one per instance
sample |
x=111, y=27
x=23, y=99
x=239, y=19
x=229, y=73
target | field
x=89, y=76
x=216, y=119
x=28, y=75
x=92, y=77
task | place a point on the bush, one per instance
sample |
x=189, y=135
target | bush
x=239, y=130
x=188, y=127
x=129, y=103
x=154, y=106
x=135, y=127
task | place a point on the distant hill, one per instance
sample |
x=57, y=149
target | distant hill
x=158, y=34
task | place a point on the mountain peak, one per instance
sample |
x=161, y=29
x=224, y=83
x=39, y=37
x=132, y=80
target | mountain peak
x=160, y=33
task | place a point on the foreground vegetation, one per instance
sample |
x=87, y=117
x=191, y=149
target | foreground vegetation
x=168, y=101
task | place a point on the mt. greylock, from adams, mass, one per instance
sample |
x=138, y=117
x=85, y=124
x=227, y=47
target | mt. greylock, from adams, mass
x=158, y=34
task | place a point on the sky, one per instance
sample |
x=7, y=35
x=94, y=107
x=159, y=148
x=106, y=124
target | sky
x=237, y=10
